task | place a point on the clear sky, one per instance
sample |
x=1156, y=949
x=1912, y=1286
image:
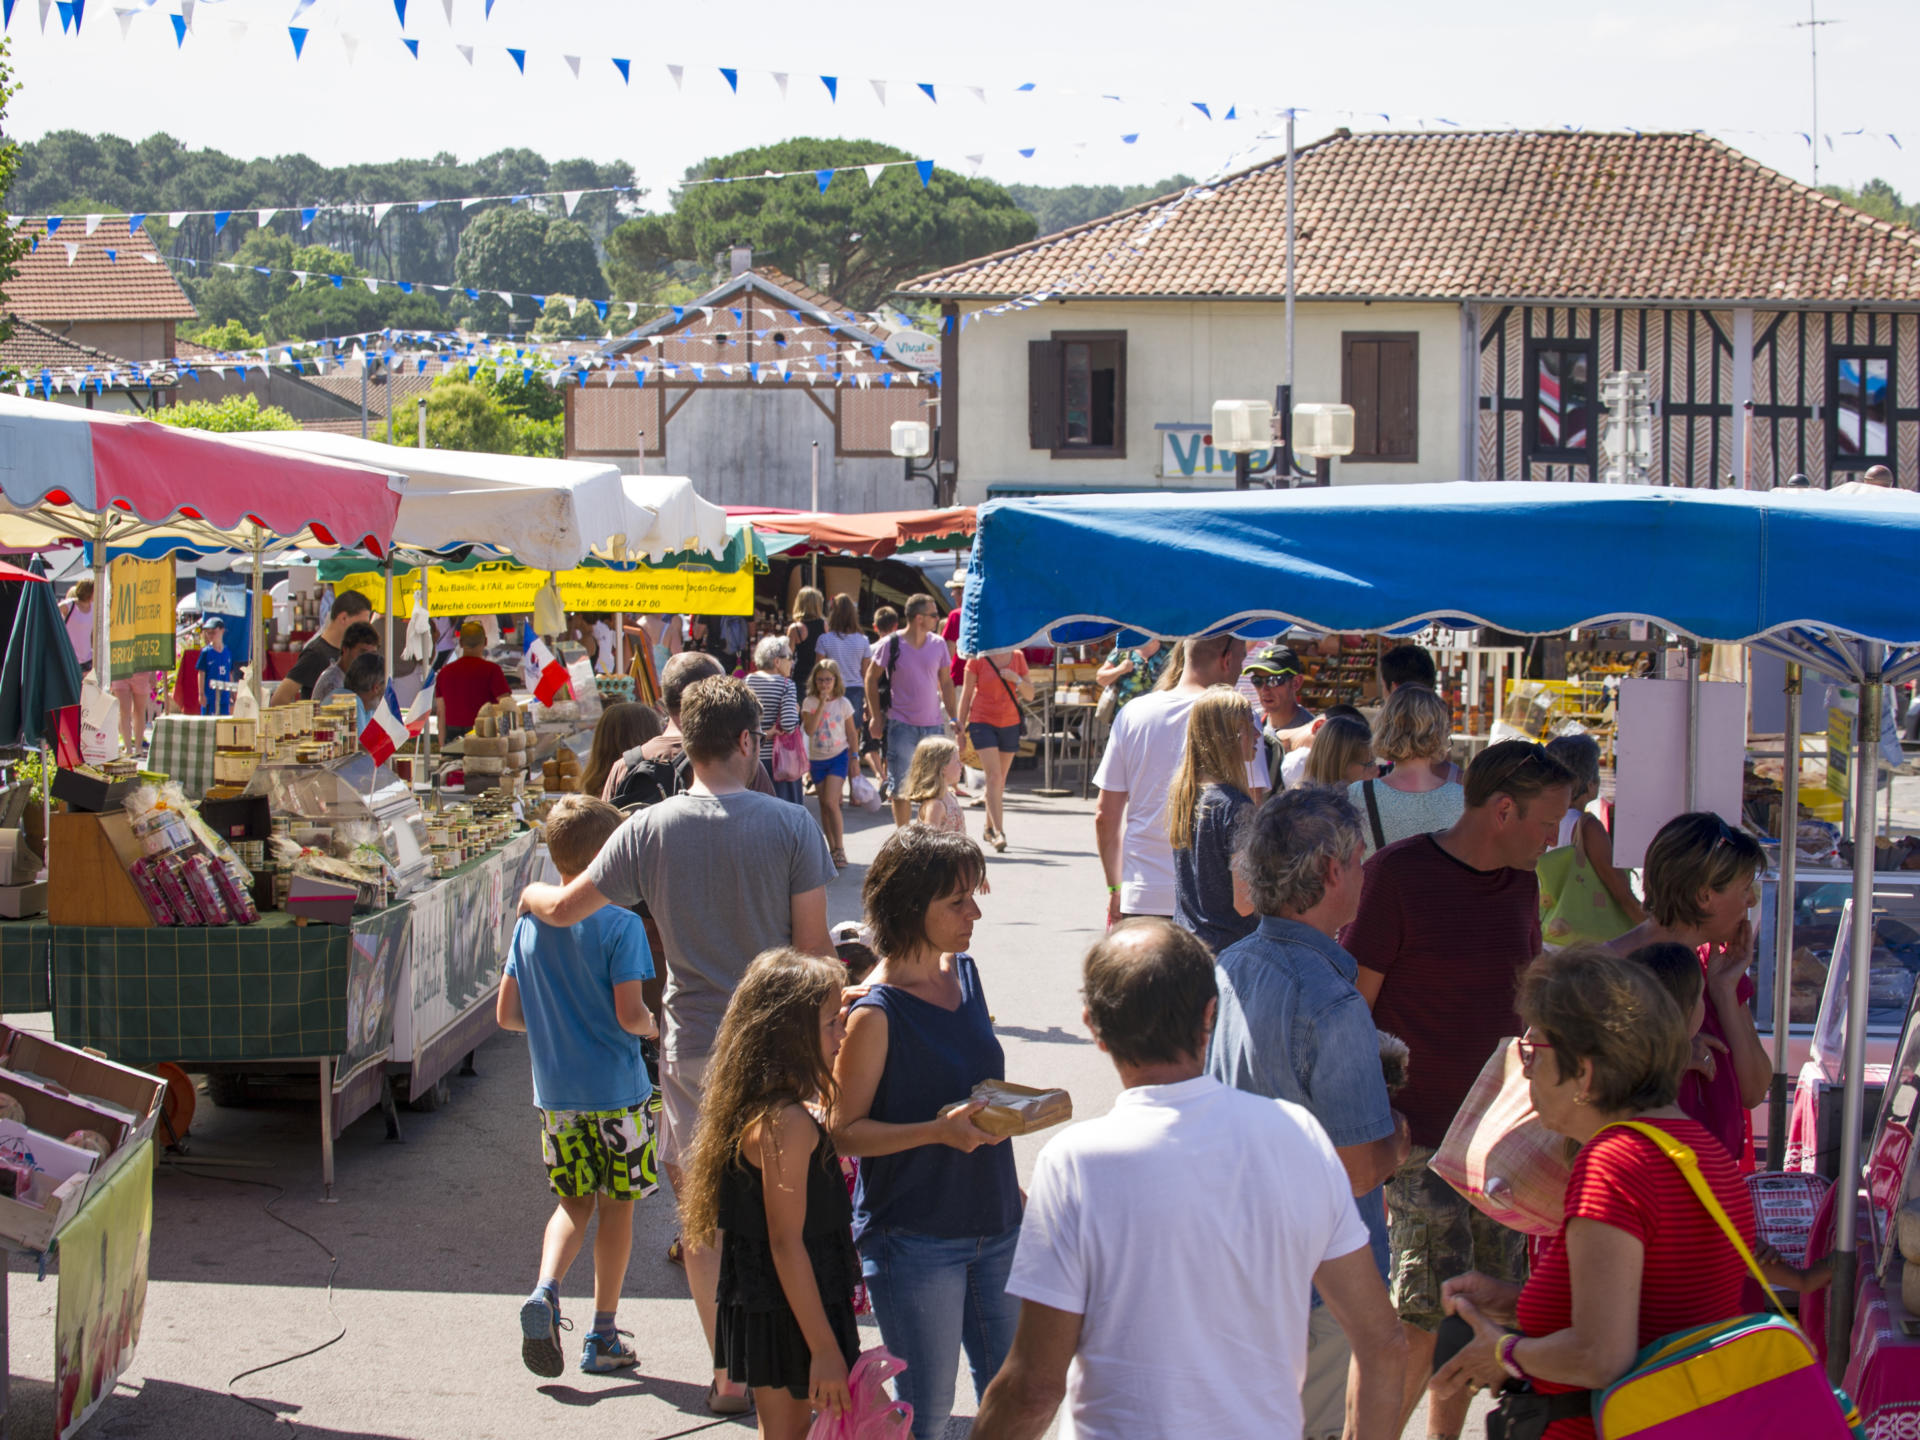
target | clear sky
x=1736, y=68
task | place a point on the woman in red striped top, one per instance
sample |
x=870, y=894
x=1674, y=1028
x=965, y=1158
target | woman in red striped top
x=1637, y=1256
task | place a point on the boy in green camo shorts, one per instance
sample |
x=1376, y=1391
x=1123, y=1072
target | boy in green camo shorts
x=575, y=991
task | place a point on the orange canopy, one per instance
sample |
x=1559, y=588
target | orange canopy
x=878, y=534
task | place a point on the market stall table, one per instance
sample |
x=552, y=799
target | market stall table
x=281, y=996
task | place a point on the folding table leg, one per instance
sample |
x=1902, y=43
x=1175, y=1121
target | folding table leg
x=326, y=1131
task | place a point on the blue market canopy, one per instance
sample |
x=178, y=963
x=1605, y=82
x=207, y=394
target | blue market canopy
x=1802, y=572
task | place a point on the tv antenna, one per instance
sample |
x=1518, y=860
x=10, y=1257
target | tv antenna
x=1812, y=25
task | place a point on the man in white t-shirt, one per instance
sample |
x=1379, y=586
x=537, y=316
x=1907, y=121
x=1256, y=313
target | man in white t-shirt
x=1149, y=737
x=1169, y=1247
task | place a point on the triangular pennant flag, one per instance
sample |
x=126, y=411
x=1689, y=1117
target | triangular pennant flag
x=633, y=309
x=307, y=214
x=301, y=276
x=447, y=5
x=679, y=74
x=179, y=27
x=421, y=208
x=220, y=218
x=489, y=14
x=73, y=250
x=979, y=93
x=400, y=9
x=539, y=300
x=45, y=6
x=381, y=211
x=925, y=89
x=874, y=173
x=339, y=281
x=573, y=64
x=1201, y=107
x=976, y=161
x=125, y=17
x=925, y=167
x=571, y=198
x=93, y=223
x=519, y=59
x=601, y=306
x=732, y=77
x=879, y=90
x=65, y=7
x=832, y=82
x=186, y=11
x=824, y=178
x=6, y=15
x=1129, y=139
x=176, y=218
x=780, y=79
x=467, y=51
x=299, y=40
x=1027, y=154
x=1233, y=112
x=573, y=308
x=506, y=297
x=625, y=67
x=53, y=223
x=266, y=216
x=373, y=285
x=134, y=222
x=413, y=46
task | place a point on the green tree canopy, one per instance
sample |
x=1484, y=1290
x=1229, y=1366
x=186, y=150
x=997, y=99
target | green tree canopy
x=283, y=308
x=1878, y=199
x=517, y=250
x=870, y=237
x=227, y=335
x=1061, y=207
x=226, y=417
x=506, y=416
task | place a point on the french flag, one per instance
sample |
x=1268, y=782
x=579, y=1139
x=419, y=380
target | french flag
x=550, y=676
x=386, y=732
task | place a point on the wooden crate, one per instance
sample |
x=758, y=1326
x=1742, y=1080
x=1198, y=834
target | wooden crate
x=88, y=864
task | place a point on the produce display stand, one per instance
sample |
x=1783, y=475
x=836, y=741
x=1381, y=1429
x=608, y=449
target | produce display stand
x=281, y=997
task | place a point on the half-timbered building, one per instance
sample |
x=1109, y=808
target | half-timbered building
x=1470, y=294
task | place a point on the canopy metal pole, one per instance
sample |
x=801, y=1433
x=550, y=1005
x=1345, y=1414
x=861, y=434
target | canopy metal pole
x=1693, y=725
x=1783, y=911
x=816, y=510
x=426, y=730
x=256, y=622
x=1866, y=782
x=387, y=648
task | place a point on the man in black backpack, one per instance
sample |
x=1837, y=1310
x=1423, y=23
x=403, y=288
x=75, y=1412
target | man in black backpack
x=649, y=773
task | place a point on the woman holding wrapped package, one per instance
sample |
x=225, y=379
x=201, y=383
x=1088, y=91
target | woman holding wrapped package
x=936, y=1208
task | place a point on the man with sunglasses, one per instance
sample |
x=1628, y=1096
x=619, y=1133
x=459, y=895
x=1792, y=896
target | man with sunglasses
x=1272, y=680
x=1446, y=924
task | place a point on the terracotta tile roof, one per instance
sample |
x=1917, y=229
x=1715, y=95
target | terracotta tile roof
x=345, y=382
x=34, y=347
x=131, y=286
x=1503, y=215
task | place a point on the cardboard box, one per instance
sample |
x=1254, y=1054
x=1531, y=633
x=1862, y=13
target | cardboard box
x=56, y=1068
x=86, y=792
x=19, y=901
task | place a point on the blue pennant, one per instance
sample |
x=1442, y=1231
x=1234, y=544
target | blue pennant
x=832, y=82
x=1025, y=87
x=732, y=77
x=489, y=14
x=825, y=178
x=1201, y=107
x=472, y=370
x=679, y=313
x=400, y=9
x=412, y=45
x=473, y=294
x=179, y=28
x=739, y=316
x=112, y=256
x=1129, y=139
x=1232, y=112
x=519, y=58
x=220, y=218
x=925, y=167
x=134, y=222
x=406, y=286
x=53, y=223
x=526, y=376
x=925, y=89
x=299, y=39
x=601, y=306
x=625, y=67
x=307, y=214
x=338, y=281
x=1027, y=153
x=9, y=14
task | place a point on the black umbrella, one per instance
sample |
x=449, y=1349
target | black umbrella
x=39, y=673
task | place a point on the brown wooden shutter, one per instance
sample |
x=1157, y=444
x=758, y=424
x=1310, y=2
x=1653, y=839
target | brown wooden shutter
x=1043, y=394
x=1360, y=388
x=1398, y=434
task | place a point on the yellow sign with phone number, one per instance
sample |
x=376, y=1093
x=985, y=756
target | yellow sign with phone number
x=500, y=587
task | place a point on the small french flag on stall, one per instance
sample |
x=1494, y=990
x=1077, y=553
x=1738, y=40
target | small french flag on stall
x=385, y=733
x=421, y=708
x=550, y=676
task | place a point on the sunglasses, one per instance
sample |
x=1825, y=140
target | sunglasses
x=1267, y=682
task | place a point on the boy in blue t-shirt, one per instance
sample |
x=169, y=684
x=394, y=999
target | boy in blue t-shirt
x=576, y=993
x=216, y=669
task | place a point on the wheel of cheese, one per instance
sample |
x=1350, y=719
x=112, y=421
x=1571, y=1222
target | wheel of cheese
x=485, y=745
x=485, y=764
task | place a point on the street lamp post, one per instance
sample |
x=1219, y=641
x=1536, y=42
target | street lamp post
x=918, y=445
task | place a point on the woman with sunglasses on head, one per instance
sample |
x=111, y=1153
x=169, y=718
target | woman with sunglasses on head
x=1638, y=1256
x=1415, y=732
x=1701, y=877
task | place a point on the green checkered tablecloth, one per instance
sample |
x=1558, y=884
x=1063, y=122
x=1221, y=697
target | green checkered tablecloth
x=183, y=747
x=24, y=958
x=271, y=991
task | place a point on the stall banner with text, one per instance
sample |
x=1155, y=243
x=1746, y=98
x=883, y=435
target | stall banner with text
x=140, y=630
x=103, y=1290
x=500, y=587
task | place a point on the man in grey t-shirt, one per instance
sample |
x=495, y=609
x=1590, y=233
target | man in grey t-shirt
x=727, y=873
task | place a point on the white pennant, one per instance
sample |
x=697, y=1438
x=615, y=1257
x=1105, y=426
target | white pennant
x=706, y=313
x=506, y=297
x=45, y=6
x=976, y=161
x=978, y=93
x=633, y=309
x=572, y=198
x=373, y=285
x=73, y=250
x=176, y=217
x=229, y=265
x=381, y=211
x=573, y=308
x=879, y=89
x=352, y=45
x=466, y=50
x=780, y=79
x=150, y=256
x=470, y=202
x=874, y=172
x=186, y=12
x=679, y=73
x=302, y=275
x=447, y=5
x=266, y=216
x=93, y=223
x=573, y=64
x=125, y=17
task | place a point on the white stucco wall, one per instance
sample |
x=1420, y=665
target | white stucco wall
x=1181, y=357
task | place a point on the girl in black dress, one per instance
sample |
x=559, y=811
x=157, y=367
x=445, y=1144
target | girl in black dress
x=763, y=1172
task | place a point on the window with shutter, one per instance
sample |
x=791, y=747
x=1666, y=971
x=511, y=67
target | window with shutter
x=1859, y=406
x=1561, y=412
x=1077, y=394
x=1380, y=379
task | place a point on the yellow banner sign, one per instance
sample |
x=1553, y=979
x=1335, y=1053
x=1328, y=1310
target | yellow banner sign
x=504, y=588
x=140, y=627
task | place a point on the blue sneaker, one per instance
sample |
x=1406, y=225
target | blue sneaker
x=540, y=1327
x=602, y=1353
